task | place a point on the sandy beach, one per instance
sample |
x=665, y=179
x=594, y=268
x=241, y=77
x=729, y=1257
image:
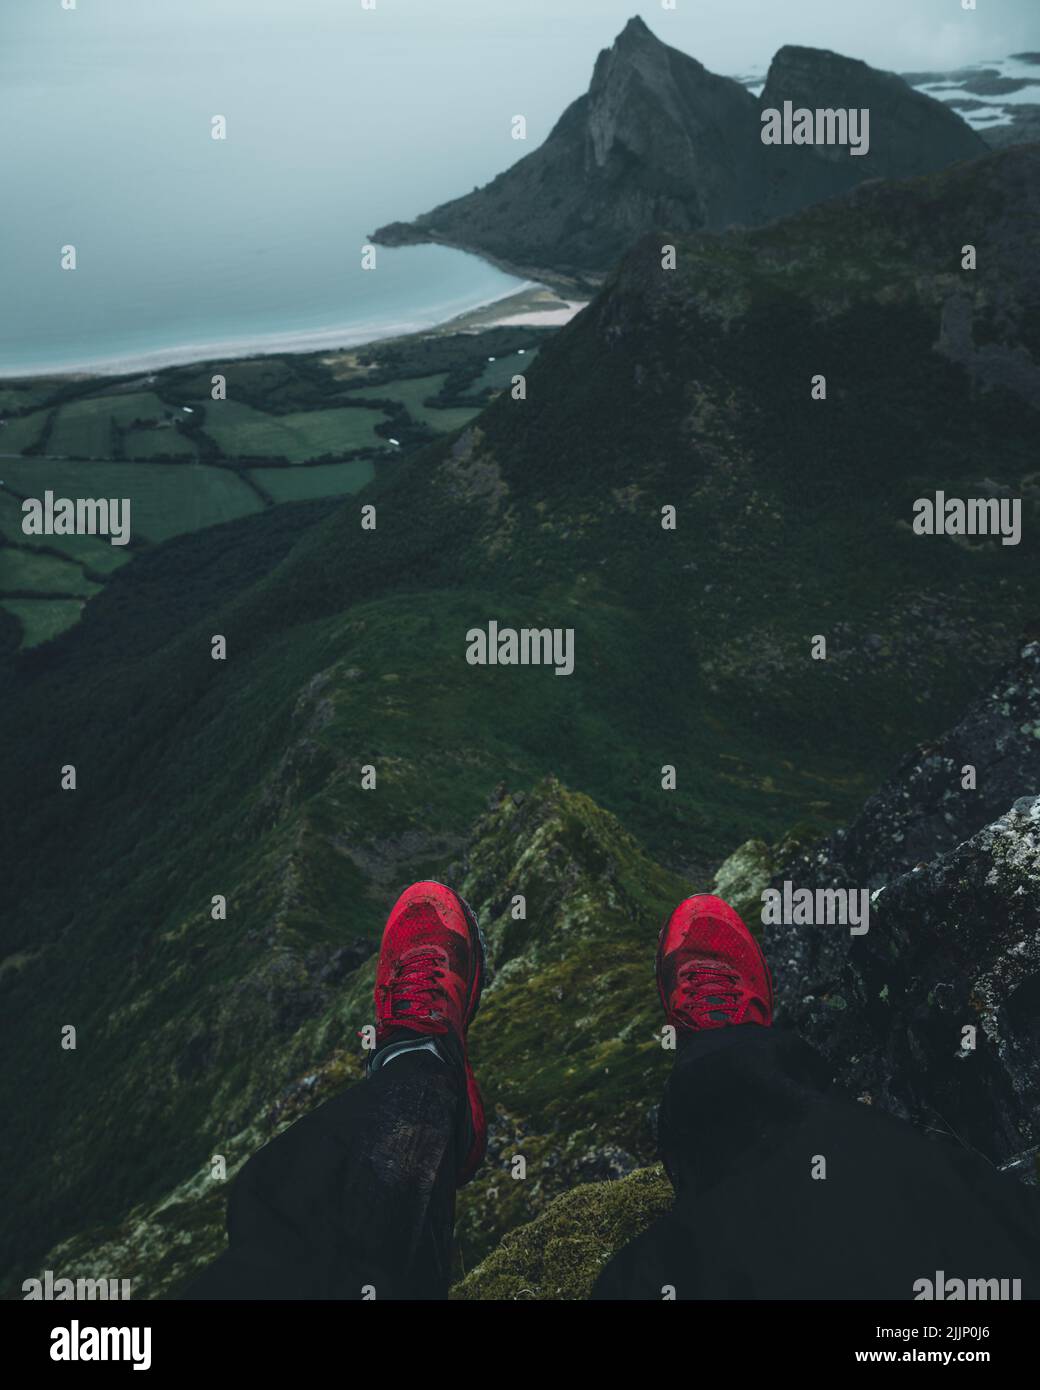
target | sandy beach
x=535, y=306
x=555, y=317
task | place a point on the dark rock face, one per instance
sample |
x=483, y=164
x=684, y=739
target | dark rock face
x=923, y=812
x=658, y=141
x=910, y=133
x=954, y=939
x=658, y=120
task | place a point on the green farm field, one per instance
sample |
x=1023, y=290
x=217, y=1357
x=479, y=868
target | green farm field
x=319, y=480
x=143, y=444
x=96, y=553
x=84, y=428
x=42, y=619
x=22, y=432
x=166, y=499
x=188, y=462
x=244, y=432
x=28, y=570
x=413, y=393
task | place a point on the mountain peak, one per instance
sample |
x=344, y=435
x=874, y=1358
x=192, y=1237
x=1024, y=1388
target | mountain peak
x=910, y=131
x=644, y=103
x=788, y=51
x=635, y=50
x=634, y=45
x=635, y=30
x=658, y=140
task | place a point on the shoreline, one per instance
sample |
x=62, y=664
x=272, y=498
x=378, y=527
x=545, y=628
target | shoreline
x=533, y=307
x=533, y=304
x=562, y=283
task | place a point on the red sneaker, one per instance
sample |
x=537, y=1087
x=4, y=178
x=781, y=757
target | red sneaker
x=430, y=975
x=710, y=969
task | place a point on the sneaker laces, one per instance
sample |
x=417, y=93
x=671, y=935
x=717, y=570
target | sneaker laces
x=415, y=982
x=706, y=991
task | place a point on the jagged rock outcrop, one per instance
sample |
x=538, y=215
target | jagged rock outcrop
x=567, y=1040
x=658, y=141
x=954, y=943
x=954, y=938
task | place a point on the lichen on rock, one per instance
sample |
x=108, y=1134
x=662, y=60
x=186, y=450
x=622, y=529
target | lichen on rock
x=561, y=1254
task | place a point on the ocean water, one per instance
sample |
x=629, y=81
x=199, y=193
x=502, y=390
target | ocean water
x=985, y=112
x=339, y=119
x=188, y=247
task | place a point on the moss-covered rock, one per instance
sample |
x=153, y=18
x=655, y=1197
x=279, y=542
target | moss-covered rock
x=567, y=1043
x=561, y=1253
x=751, y=868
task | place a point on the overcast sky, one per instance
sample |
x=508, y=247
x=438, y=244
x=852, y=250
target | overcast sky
x=730, y=34
x=727, y=35
x=441, y=78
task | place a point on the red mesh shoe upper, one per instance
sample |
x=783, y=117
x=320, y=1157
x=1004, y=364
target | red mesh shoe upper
x=428, y=975
x=429, y=978
x=710, y=970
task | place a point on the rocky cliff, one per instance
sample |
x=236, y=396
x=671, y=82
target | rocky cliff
x=950, y=848
x=658, y=141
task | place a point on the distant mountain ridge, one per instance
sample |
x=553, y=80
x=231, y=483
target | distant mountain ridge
x=659, y=141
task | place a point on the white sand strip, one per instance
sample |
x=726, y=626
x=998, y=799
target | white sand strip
x=541, y=318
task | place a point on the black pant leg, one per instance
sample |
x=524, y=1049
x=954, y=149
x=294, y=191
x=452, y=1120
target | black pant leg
x=786, y=1188
x=731, y=1094
x=357, y=1196
x=731, y=1089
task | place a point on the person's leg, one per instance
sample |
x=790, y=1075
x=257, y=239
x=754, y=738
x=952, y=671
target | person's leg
x=737, y=1082
x=736, y=1085
x=357, y=1199
x=733, y=1092
x=785, y=1187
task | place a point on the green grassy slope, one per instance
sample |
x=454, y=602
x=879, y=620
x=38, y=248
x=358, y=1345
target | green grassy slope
x=346, y=648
